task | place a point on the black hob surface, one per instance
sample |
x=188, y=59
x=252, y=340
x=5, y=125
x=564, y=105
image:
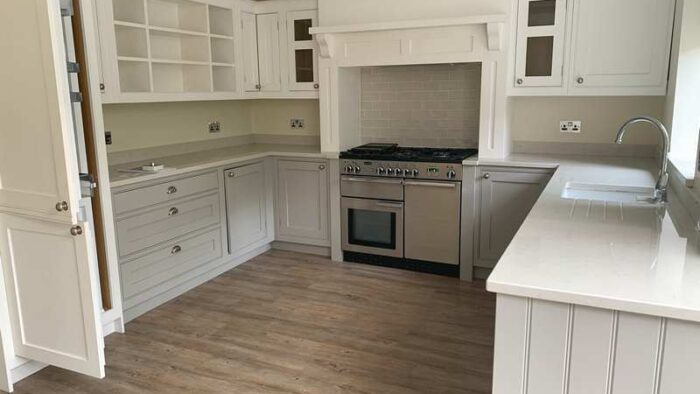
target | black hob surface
x=393, y=152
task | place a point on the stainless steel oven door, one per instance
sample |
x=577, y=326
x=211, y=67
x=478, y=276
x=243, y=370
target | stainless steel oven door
x=372, y=226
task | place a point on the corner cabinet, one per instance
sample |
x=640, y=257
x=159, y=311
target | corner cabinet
x=592, y=47
x=247, y=207
x=506, y=197
x=302, y=202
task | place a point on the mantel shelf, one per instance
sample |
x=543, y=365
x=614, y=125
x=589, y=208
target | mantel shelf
x=411, y=24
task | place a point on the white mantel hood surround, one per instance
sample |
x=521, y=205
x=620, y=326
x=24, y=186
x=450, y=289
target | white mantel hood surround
x=344, y=49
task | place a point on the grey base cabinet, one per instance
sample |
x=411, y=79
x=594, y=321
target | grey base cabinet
x=246, y=206
x=302, y=202
x=506, y=196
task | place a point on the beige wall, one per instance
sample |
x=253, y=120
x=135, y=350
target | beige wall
x=136, y=126
x=536, y=119
x=272, y=116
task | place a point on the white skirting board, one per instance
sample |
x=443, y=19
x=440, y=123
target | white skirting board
x=544, y=347
x=26, y=369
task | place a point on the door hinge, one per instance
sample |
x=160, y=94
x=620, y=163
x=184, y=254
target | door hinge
x=76, y=97
x=67, y=10
x=102, y=87
x=73, y=67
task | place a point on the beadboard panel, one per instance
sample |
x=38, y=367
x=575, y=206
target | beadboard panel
x=544, y=347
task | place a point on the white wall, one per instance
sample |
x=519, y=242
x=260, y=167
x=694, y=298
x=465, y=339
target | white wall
x=536, y=119
x=136, y=126
x=346, y=12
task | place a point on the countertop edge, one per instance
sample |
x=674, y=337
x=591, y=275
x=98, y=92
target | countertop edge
x=219, y=163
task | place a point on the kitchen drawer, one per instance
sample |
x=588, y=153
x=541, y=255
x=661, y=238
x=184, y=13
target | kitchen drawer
x=157, y=271
x=370, y=187
x=147, y=228
x=163, y=192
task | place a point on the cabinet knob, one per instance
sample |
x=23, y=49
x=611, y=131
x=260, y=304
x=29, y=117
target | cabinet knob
x=519, y=81
x=231, y=174
x=173, y=211
x=316, y=86
x=171, y=190
x=176, y=249
x=487, y=176
x=258, y=86
x=579, y=80
x=322, y=167
x=61, y=206
x=76, y=230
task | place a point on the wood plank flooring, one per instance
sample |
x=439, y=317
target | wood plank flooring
x=292, y=323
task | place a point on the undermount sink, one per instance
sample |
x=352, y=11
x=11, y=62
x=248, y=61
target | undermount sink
x=608, y=193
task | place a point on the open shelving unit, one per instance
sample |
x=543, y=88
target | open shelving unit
x=174, y=46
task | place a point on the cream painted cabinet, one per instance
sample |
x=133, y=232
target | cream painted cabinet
x=246, y=206
x=592, y=47
x=262, y=52
x=303, y=55
x=506, y=197
x=620, y=45
x=302, y=202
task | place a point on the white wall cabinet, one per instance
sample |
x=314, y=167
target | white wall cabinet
x=303, y=54
x=506, y=197
x=185, y=50
x=246, y=206
x=592, y=47
x=302, y=202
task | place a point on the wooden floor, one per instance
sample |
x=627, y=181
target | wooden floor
x=293, y=323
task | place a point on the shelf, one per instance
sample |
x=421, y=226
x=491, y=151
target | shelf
x=132, y=59
x=223, y=64
x=219, y=36
x=174, y=46
x=222, y=50
x=129, y=11
x=223, y=78
x=129, y=24
x=134, y=76
x=177, y=31
x=131, y=41
x=178, y=14
x=220, y=21
x=174, y=78
x=173, y=61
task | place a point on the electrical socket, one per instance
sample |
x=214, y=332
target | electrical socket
x=214, y=126
x=296, y=123
x=570, y=126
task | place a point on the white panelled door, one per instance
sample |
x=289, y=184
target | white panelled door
x=47, y=254
x=269, y=52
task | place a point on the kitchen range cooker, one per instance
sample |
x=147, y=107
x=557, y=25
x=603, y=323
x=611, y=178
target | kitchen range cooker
x=401, y=206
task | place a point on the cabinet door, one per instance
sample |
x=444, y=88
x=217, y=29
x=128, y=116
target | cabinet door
x=506, y=199
x=269, y=52
x=302, y=202
x=48, y=256
x=621, y=45
x=540, y=43
x=246, y=206
x=249, y=33
x=303, y=56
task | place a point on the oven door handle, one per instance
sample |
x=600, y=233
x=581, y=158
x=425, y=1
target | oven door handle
x=432, y=184
x=385, y=181
x=396, y=205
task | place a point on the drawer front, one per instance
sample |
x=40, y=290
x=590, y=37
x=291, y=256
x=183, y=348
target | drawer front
x=153, y=273
x=163, y=192
x=370, y=187
x=148, y=228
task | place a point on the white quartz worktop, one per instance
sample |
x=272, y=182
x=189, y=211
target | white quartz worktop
x=637, y=257
x=184, y=163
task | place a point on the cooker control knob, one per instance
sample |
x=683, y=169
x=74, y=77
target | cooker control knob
x=357, y=169
x=414, y=172
x=451, y=174
x=390, y=171
x=398, y=172
x=406, y=172
x=380, y=170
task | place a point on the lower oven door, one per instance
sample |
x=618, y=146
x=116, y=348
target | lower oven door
x=372, y=226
